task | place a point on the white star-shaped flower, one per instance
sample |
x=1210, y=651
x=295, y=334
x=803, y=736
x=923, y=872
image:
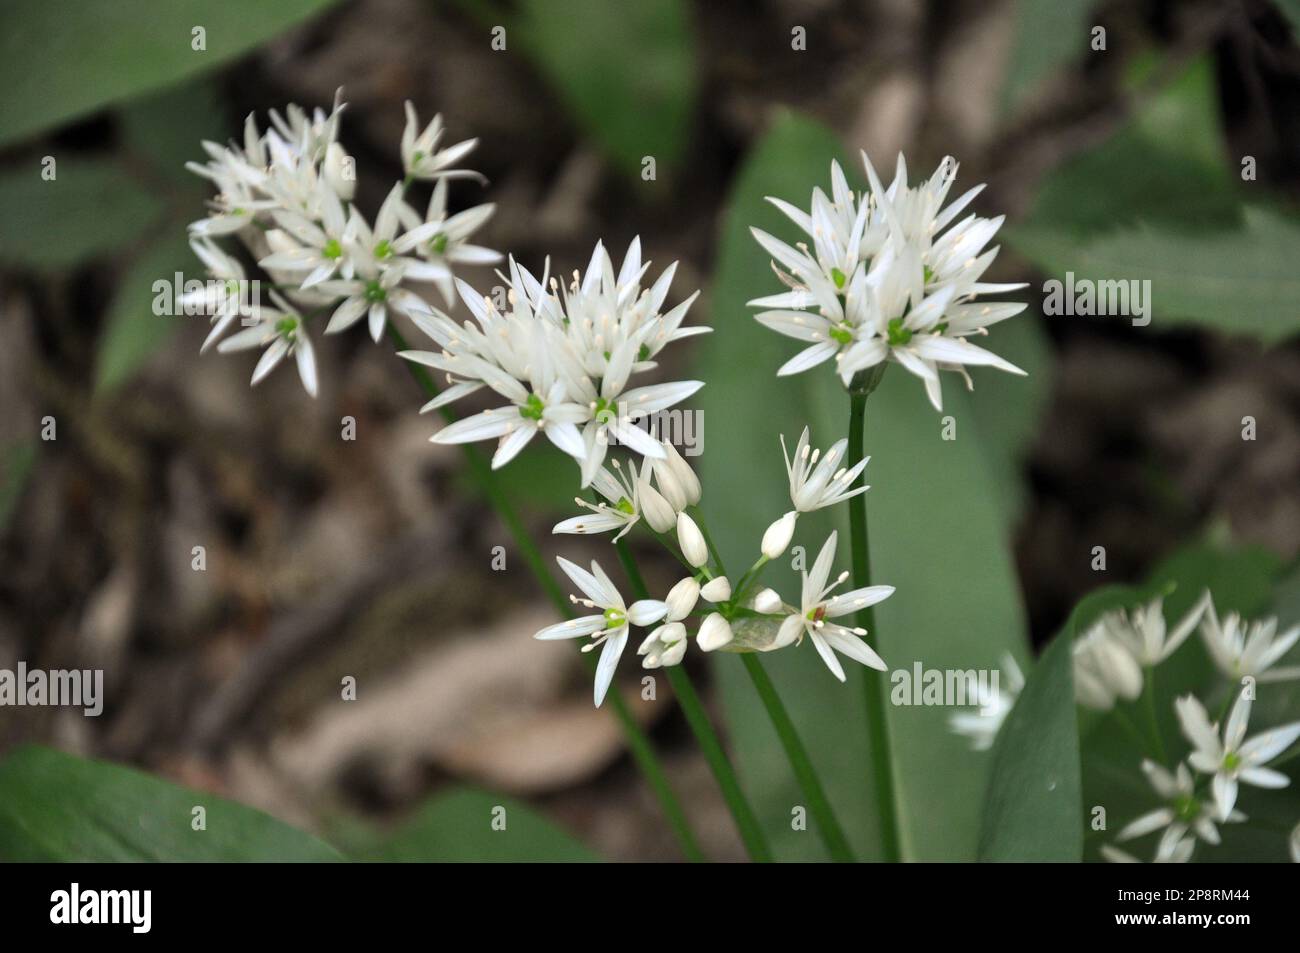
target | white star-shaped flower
x=1182, y=811
x=608, y=628
x=282, y=333
x=816, y=611
x=1143, y=631
x=982, y=725
x=1240, y=649
x=1233, y=758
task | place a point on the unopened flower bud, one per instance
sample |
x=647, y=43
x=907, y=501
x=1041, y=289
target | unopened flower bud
x=767, y=602
x=681, y=599
x=674, y=654
x=715, y=632
x=716, y=590
x=694, y=550
x=656, y=510
x=338, y=172
x=778, y=535
x=677, y=481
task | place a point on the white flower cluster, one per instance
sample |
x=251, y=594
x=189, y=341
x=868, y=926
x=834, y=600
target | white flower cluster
x=888, y=277
x=563, y=358
x=1109, y=663
x=661, y=495
x=1229, y=758
x=992, y=705
x=1110, y=656
x=286, y=194
x=627, y=500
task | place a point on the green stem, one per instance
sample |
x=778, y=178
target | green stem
x=746, y=822
x=749, y=579
x=637, y=741
x=873, y=681
x=1131, y=730
x=820, y=806
x=1223, y=709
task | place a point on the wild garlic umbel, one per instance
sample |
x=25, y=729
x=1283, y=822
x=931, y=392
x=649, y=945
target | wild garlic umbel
x=286, y=195
x=891, y=275
x=888, y=277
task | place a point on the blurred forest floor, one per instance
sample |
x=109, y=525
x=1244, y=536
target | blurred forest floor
x=371, y=558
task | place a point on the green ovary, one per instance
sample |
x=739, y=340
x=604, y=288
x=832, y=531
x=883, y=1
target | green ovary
x=603, y=410
x=532, y=408
x=1187, y=808
x=898, y=335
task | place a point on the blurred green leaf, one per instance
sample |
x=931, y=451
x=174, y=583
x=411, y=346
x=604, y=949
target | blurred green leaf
x=18, y=460
x=57, y=807
x=458, y=827
x=60, y=59
x=91, y=207
x=1291, y=10
x=627, y=71
x=132, y=331
x=1158, y=201
x=1184, y=112
x=1286, y=597
x=167, y=129
x=1034, y=808
x=1243, y=281
x=934, y=512
x=1049, y=33
x=1007, y=409
x=1167, y=166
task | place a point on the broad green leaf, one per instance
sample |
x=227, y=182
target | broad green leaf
x=57, y=807
x=60, y=59
x=1048, y=35
x=133, y=332
x=17, y=460
x=1008, y=408
x=166, y=130
x=1183, y=112
x=1291, y=9
x=91, y=207
x=1242, y=281
x=936, y=520
x=1158, y=202
x=626, y=71
x=1033, y=811
x=939, y=532
x=1166, y=166
x=464, y=825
